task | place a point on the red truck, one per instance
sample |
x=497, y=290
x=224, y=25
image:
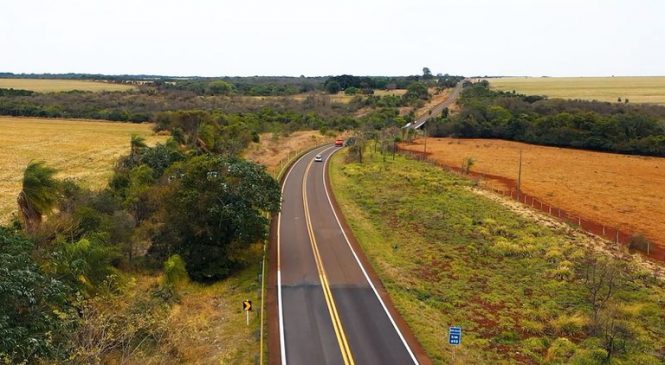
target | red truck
x=339, y=143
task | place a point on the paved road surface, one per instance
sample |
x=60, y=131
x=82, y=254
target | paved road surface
x=438, y=109
x=329, y=311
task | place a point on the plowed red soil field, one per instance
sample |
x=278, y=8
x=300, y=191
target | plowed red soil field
x=620, y=191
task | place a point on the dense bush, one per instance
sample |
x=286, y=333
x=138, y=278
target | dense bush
x=32, y=305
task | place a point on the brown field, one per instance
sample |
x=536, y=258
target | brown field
x=83, y=150
x=54, y=85
x=621, y=191
x=273, y=149
x=648, y=89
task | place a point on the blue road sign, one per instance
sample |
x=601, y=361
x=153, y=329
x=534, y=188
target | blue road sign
x=455, y=335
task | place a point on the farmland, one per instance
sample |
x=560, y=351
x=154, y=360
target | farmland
x=617, y=190
x=57, y=85
x=448, y=256
x=82, y=150
x=635, y=89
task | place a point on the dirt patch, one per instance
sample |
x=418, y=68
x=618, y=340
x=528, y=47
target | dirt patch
x=621, y=192
x=273, y=149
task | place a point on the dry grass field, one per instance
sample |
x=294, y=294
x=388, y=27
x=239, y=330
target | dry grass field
x=53, y=85
x=636, y=89
x=617, y=190
x=83, y=150
x=272, y=149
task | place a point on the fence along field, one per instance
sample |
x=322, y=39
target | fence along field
x=56, y=85
x=636, y=89
x=611, y=195
x=83, y=150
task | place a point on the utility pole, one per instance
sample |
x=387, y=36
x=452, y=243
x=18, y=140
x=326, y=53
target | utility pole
x=425, y=151
x=519, y=178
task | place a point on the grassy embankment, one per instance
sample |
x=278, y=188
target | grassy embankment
x=57, y=85
x=450, y=257
x=635, y=89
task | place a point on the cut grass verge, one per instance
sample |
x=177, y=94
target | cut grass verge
x=450, y=257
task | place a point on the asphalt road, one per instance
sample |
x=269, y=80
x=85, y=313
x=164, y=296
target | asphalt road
x=438, y=109
x=329, y=310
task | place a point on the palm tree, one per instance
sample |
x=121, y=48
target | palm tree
x=137, y=143
x=39, y=195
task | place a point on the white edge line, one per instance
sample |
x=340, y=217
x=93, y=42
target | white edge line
x=282, y=344
x=325, y=185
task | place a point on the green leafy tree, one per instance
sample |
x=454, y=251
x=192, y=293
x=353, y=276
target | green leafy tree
x=39, y=194
x=216, y=207
x=416, y=91
x=32, y=305
x=427, y=73
x=220, y=87
x=333, y=87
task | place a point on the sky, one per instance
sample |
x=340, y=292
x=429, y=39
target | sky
x=319, y=38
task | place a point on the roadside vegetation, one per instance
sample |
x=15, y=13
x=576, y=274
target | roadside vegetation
x=523, y=293
x=151, y=268
x=601, y=126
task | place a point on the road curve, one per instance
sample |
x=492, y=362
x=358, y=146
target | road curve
x=329, y=309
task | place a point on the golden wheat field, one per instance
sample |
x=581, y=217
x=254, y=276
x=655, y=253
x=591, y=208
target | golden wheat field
x=79, y=149
x=649, y=89
x=56, y=85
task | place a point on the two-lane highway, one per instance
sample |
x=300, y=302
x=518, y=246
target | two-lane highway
x=330, y=311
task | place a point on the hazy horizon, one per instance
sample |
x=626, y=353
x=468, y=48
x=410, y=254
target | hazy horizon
x=296, y=37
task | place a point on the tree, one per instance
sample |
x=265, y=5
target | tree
x=39, y=194
x=601, y=277
x=214, y=211
x=220, y=87
x=416, y=90
x=427, y=74
x=333, y=87
x=137, y=145
x=30, y=304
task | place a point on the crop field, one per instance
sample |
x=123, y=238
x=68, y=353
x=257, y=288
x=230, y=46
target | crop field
x=82, y=150
x=56, y=85
x=635, y=89
x=451, y=257
x=618, y=190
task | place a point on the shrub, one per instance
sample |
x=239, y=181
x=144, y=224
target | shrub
x=560, y=351
x=570, y=325
x=175, y=271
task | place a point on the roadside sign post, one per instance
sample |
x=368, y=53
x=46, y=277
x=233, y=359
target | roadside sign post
x=455, y=338
x=247, y=306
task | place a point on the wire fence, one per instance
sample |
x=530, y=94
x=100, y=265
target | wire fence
x=510, y=190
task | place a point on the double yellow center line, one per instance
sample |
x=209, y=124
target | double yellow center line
x=330, y=302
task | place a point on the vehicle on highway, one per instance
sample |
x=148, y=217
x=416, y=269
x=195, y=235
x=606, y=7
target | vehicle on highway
x=339, y=143
x=318, y=158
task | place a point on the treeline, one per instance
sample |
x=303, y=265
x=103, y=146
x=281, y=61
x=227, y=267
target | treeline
x=601, y=126
x=147, y=104
x=366, y=84
x=248, y=86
